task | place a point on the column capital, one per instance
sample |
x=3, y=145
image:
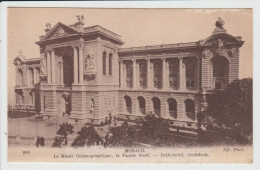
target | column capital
x=148, y=59
x=180, y=58
x=48, y=49
x=163, y=59
x=134, y=60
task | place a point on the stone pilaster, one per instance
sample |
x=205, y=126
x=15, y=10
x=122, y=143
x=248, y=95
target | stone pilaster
x=81, y=63
x=164, y=73
x=137, y=75
x=75, y=58
x=48, y=67
x=61, y=70
x=198, y=73
x=181, y=74
x=53, y=67
x=121, y=74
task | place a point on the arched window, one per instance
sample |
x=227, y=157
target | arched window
x=110, y=63
x=156, y=106
x=104, y=62
x=141, y=102
x=128, y=104
x=172, y=107
x=19, y=77
x=190, y=108
x=31, y=76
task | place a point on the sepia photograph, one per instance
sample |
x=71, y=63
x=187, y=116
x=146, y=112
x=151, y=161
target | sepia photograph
x=129, y=85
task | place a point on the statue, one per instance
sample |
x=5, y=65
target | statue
x=80, y=18
x=48, y=26
x=89, y=63
x=43, y=65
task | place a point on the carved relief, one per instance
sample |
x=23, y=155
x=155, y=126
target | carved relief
x=89, y=62
x=89, y=65
x=43, y=64
x=207, y=54
x=59, y=33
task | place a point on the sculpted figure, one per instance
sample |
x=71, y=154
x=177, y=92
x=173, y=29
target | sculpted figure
x=89, y=62
x=207, y=54
x=43, y=64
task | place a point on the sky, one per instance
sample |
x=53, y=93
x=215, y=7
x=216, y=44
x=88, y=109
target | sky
x=138, y=27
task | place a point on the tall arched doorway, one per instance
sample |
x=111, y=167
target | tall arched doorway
x=220, y=69
x=172, y=107
x=190, y=109
x=156, y=106
x=141, y=102
x=128, y=104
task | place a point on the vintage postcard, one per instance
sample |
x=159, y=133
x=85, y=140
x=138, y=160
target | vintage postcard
x=111, y=85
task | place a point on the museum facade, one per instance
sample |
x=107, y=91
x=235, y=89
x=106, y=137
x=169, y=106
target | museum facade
x=83, y=73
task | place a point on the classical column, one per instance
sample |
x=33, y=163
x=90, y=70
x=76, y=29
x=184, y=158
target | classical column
x=28, y=77
x=107, y=63
x=61, y=74
x=48, y=67
x=121, y=73
x=81, y=63
x=53, y=68
x=167, y=76
x=137, y=75
x=75, y=57
x=181, y=75
x=164, y=73
x=198, y=73
x=124, y=75
x=134, y=73
x=148, y=76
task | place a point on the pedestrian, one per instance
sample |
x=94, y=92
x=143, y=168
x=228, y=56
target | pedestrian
x=43, y=140
x=37, y=141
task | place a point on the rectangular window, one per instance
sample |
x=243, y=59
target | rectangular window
x=157, y=74
x=173, y=74
x=190, y=75
x=143, y=72
x=129, y=75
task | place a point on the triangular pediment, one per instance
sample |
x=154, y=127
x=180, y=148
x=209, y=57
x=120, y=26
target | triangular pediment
x=60, y=30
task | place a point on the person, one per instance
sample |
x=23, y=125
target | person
x=43, y=141
x=37, y=141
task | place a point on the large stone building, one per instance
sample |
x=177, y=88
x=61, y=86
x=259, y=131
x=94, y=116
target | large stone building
x=84, y=73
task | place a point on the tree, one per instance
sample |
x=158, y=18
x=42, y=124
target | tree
x=155, y=127
x=231, y=107
x=87, y=136
x=122, y=135
x=65, y=129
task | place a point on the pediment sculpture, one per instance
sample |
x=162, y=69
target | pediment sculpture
x=60, y=32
